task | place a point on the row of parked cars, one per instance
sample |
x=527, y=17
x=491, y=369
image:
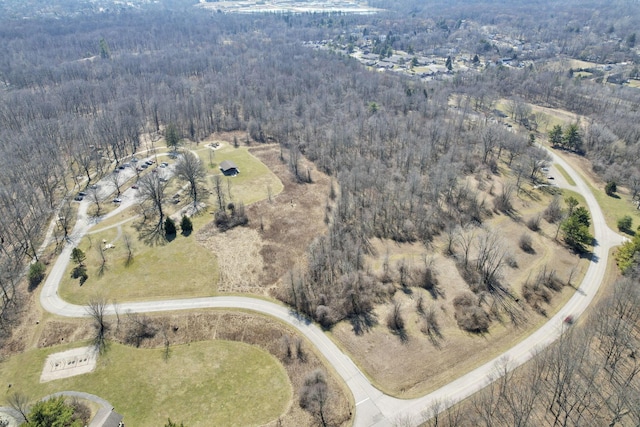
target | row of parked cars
x=144, y=165
x=81, y=195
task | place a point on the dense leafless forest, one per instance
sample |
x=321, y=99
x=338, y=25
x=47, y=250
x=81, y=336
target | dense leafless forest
x=78, y=92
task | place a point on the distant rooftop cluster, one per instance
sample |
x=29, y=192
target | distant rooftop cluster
x=290, y=6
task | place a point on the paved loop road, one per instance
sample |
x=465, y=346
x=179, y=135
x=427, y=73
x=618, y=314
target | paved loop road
x=373, y=408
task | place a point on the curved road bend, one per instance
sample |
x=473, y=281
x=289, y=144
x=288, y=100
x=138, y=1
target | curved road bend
x=373, y=408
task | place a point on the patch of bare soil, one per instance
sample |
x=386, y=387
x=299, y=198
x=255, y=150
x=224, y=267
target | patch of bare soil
x=254, y=258
x=296, y=355
x=426, y=354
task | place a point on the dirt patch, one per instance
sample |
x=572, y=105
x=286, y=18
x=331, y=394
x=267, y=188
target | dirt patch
x=69, y=363
x=296, y=355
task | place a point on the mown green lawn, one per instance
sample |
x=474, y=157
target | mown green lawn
x=212, y=383
x=252, y=184
x=614, y=208
x=179, y=268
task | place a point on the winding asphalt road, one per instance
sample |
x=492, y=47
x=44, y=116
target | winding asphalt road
x=373, y=408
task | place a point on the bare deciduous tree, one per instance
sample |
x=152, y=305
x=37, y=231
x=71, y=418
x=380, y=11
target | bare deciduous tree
x=189, y=168
x=151, y=189
x=128, y=244
x=21, y=403
x=116, y=179
x=140, y=327
x=96, y=198
x=315, y=396
x=217, y=186
x=396, y=322
x=97, y=311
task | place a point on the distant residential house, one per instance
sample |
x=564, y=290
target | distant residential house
x=229, y=168
x=617, y=79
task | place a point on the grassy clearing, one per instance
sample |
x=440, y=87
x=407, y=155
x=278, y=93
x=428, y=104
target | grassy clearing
x=180, y=268
x=125, y=215
x=547, y=117
x=201, y=384
x=564, y=64
x=564, y=173
x=614, y=208
x=634, y=83
x=252, y=184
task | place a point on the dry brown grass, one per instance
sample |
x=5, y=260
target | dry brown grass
x=267, y=334
x=254, y=258
x=423, y=363
x=239, y=260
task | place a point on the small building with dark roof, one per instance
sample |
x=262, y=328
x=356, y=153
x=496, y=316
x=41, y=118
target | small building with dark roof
x=229, y=168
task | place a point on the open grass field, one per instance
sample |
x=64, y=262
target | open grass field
x=180, y=268
x=564, y=64
x=185, y=329
x=547, y=117
x=614, y=208
x=201, y=384
x=254, y=182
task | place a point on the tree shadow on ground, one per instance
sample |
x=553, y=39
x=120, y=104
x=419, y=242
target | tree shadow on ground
x=435, y=290
x=299, y=316
x=151, y=234
x=589, y=256
x=401, y=333
x=435, y=337
x=361, y=323
x=406, y=290
x=628, y=232
x=532, y=195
